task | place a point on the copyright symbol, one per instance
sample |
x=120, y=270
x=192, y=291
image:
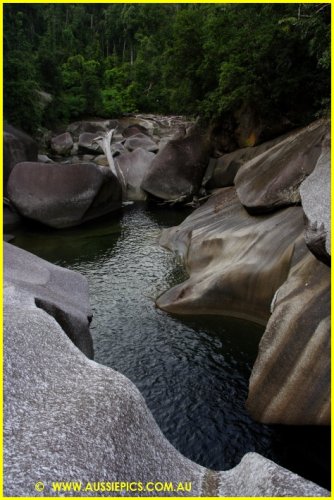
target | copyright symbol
x=39, y=486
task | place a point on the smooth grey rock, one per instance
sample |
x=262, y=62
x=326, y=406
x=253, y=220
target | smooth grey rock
x=315, y=196
x=44, y=159
x=60, y=292
x=290, y=380
x=67, y=418
x=134, y=166
x=235, y=261
x=117, y=148
x=272, y=179
x=135, y=129
x=17, y=147
x=62, y=144
x=141, y=141
x=63, y=195
x=86, y=143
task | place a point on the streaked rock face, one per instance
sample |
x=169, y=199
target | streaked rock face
x=70, y=419
x=290, y=381
x=60, y=195
x=272, y=179
x=236, y=261
x=315, y=197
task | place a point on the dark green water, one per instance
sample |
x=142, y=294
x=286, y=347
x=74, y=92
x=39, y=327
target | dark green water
x=192, y=371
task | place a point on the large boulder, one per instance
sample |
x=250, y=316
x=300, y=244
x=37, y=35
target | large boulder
x=290, y=381
x=177, y=171
x=60, y=292
x=134, y=167
x=17, y=147
x=141, y=141
x=67, y=418
x=62, y=144
x=60, y=195
x=315, y=196
x=272, y=179
x=235, y=261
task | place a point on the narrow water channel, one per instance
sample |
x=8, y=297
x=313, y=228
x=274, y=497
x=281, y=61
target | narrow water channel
x=192, y=371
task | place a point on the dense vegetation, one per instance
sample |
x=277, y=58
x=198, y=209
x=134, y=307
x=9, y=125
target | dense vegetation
x=207, y=59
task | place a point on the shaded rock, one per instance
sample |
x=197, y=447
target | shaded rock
x=60, y=292
x=11, y=219
x=177, y=171
x=135, y=129
x=101, y=160
x=68, y=417
x=8, y=237
x=87, y=145
x=272, y=179
x=18, y=146
x=290, y=381
x=44, y=159
x=245, y=128
x=134, y=167
x=141, y=141
x=235, y=261
x=63, y=195
x=228, y=165
x=75, y=149
x=315, y=196
x=117, y=148
x=90, y=126
x=62, y=144
x=157, y=126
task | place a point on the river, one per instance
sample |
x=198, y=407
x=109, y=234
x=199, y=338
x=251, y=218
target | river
x=192, y=371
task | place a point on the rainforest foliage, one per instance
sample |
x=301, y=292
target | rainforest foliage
x=207, y=59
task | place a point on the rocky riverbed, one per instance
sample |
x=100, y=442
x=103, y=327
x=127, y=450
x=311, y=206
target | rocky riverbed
x=248, y=253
